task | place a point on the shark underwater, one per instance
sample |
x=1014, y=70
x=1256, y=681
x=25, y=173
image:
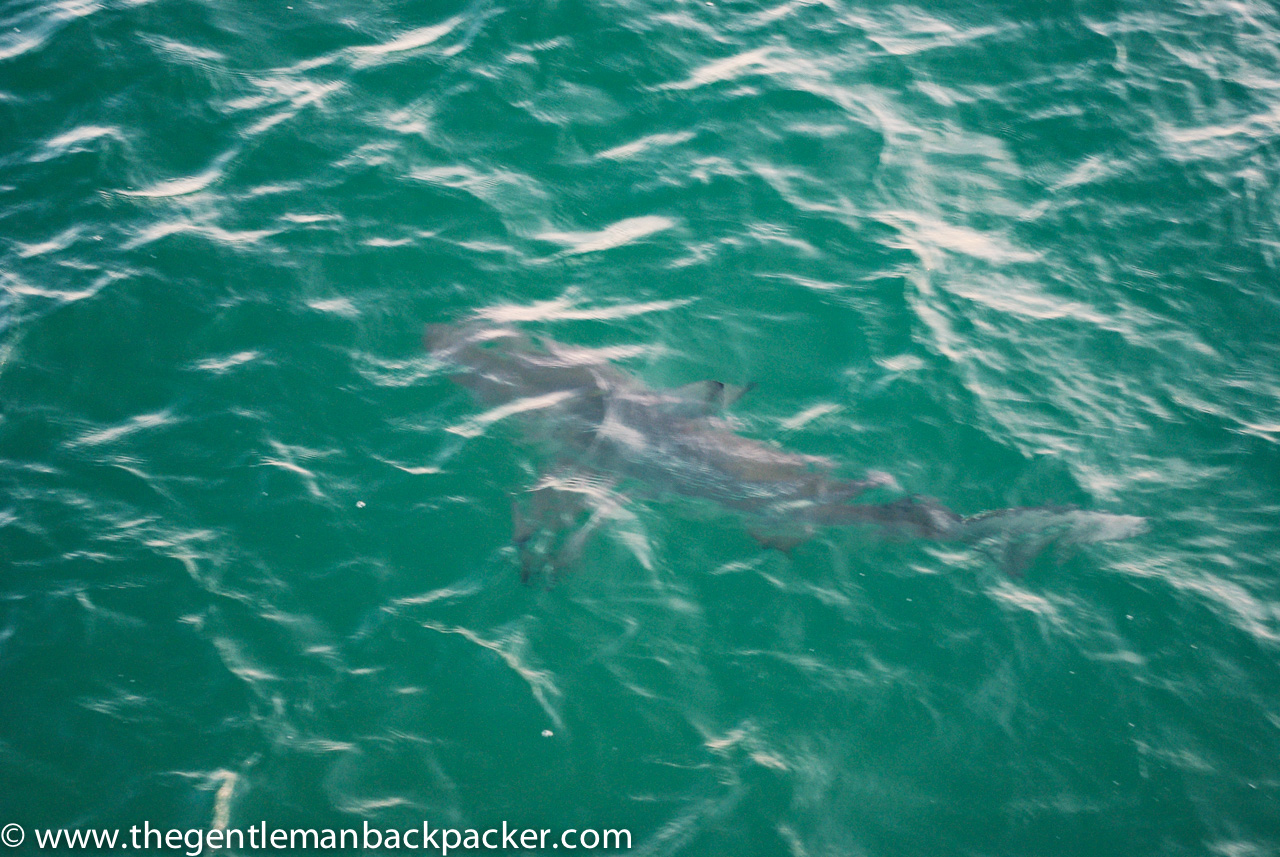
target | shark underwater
x=602, y=426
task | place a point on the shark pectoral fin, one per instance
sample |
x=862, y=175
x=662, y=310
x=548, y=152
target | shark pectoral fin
x=570, y=550
x=552, y=523
x=538, y=520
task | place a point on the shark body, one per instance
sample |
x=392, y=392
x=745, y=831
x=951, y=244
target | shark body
x=596, y=419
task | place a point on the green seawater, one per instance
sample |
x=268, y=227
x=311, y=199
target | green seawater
x=256, y=560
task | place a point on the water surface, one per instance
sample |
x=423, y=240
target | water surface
x=251, y=570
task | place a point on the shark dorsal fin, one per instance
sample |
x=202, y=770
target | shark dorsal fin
x=709, y=397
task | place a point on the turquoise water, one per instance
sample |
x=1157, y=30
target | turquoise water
x=256, y=561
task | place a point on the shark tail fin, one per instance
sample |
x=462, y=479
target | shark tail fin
x=1015, y=537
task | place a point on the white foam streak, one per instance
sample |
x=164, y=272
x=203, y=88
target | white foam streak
x=562, y=309
x=475, y=427
x=614, y=235
x=186, y=184
x=630, y=150
x=758, y=60
x=539, y=681
x=413, y=40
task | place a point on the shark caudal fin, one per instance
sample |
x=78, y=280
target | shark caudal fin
x=1014, y=538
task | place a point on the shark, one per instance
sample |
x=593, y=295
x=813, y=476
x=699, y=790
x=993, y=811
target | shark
x=603, y=427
